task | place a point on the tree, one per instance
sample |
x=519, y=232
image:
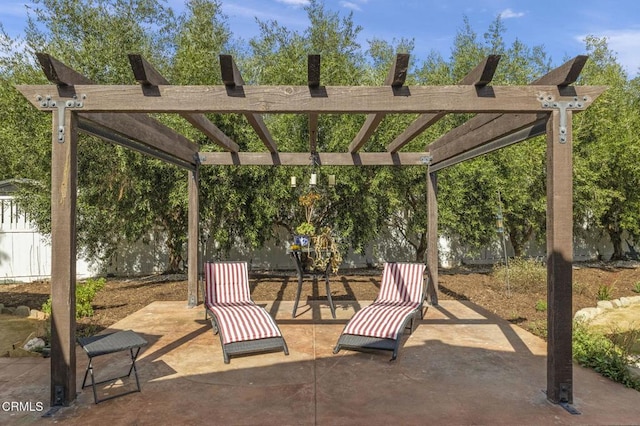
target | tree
x=120, y=197
x=607, y=150
x=469, y=190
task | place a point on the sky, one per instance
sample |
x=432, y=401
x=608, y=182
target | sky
x=559, y=26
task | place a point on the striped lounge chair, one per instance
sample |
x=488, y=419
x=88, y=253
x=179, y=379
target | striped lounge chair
x=381, y=324
x=243, y=326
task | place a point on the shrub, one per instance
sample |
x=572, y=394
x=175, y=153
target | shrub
x=605, y=292
x=636, y=287
x=594, y=350
x=84, y=297
x=524, y=274
x=541, y=306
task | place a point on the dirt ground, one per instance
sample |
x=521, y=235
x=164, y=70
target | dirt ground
x=523, y=306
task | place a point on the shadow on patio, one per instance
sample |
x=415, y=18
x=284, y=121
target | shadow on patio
x=462, y=365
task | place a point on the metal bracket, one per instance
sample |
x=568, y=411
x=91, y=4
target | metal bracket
x=426, y=160
x=548, y=102
x=48, y=102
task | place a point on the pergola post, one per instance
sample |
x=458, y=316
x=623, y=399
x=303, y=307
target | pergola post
x=559, y=257
x=193, y=251
x=64, y=174
x=432, y=237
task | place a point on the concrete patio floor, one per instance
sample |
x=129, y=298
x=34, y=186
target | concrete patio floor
x=462, y=365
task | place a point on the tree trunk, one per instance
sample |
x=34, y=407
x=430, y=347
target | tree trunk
x=421, y=248
x=616, y=240
x=174, y=246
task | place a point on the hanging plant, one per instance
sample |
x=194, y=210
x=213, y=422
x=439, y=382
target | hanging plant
x=326, y=251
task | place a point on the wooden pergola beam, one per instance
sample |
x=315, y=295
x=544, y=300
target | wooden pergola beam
x=484, y=128
x=395, y=78
x=537, y=128
x=480, y=76
x=138, y=127
x=102, y=130
x=254, y=100
x=232, y=79
x=323, y=159
x=313, y=81
x=142, y=128
x=502, y=126
x=148, y=76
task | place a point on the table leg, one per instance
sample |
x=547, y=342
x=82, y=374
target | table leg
x=295, y=303
x=333, y=309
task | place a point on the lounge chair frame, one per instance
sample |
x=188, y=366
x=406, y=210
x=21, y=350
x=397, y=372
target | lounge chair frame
x=245, y=347
x=367, y=343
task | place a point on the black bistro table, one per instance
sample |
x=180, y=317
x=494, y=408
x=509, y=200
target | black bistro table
x=104, y=344
x=297, y=256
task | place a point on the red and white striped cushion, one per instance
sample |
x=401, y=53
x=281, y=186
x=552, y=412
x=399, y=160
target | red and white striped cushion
x=228, y=296
x=401, y=282
x=241, y=322
x=400, y=294
x=227, y=282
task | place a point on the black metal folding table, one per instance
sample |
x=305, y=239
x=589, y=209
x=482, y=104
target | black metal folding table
x=104, y=344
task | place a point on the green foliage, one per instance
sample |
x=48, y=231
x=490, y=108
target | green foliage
x=122, y=195
x=607, y=152
x=596, y=351
x=525, y=275
x=85, y=294
x=306, y=228
x=541, y=305
x=636, y=287
x=605, y=292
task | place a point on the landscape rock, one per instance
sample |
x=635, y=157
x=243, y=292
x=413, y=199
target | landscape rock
x=586, y=314
x=39, y=315
x=22, y=311
x=605, y=304
x=33, y=344
x=8, y=311
x=625, y=301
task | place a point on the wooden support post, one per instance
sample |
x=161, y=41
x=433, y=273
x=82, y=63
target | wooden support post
x=64, y=173
x=432, y=235
x=559, y=258
x=194, y=236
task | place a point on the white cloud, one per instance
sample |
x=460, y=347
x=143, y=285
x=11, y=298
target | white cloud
x=295, y=3
x=350, y=5
x=508, y=13
x=626, y=45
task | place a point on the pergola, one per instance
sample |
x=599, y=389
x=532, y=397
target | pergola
x=504, y=115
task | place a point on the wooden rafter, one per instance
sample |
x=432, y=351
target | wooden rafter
x=313, y=81
x=149, y=77
x=137, y=127
x=395, y=78
x=233, y=81
x=480, y=76
x=484, y=128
